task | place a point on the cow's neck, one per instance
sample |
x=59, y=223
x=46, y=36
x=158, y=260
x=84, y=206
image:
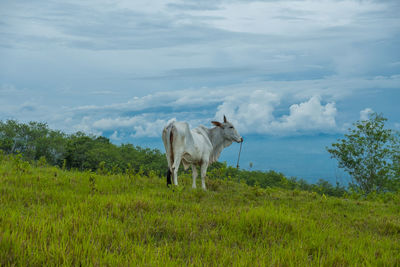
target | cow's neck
x=218, y=142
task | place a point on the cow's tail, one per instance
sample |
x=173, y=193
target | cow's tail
x=169, y=181
x=170, y=152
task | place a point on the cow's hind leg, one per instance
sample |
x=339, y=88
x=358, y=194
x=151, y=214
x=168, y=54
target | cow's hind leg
x=203, y=172
x=194, y=175
x=175, y=167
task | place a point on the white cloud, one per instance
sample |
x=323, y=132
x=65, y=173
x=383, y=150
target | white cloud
x=146, y=125
x=250, y=112
x=175, y=99
x=85, y=126
x=364, y=114
x=289, y=17
x=7, y=88
x=255, y=115
x=115, y=136
x=113, y=123
x=308, y=116
x=149, y=128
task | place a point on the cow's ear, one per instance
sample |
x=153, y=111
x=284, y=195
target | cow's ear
x=217, y=123
x=225, y=120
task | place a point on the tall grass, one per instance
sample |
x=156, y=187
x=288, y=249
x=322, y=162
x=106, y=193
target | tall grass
x=53, y=217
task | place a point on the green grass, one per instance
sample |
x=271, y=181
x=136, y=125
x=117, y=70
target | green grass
x=53, y=217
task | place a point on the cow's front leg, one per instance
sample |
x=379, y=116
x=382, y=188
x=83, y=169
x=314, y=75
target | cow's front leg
x=194, y=175
x=203, y=172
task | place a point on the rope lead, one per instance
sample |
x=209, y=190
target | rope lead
x=237, y=164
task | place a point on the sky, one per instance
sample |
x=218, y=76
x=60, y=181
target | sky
x=292, y=76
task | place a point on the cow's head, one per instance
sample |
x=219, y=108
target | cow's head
x=228, y=130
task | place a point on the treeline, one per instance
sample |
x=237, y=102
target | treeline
x=35, y=141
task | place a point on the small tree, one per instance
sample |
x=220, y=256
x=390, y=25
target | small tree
x=366, y=153
x=395, y=182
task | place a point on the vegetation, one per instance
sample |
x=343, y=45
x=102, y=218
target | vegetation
x=76, y=151
x=35, y=141
x=266, y=179
x=51, y=217
x=370, y=154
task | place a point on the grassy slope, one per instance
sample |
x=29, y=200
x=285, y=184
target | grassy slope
x=53, y=217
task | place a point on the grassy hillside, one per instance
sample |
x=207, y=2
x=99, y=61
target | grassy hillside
x=53, y=217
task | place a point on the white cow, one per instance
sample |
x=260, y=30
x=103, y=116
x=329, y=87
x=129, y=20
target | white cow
x=197, y=147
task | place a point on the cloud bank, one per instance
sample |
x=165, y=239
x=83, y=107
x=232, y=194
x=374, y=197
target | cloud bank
x=252, y=113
